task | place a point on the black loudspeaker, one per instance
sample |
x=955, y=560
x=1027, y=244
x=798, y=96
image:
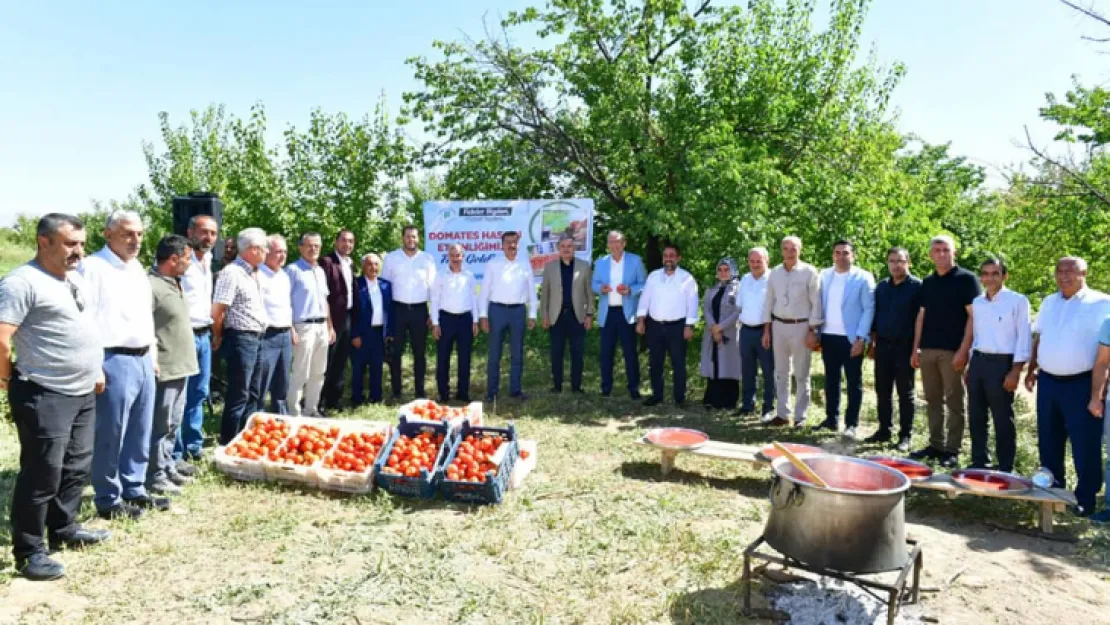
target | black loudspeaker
x=196, y=203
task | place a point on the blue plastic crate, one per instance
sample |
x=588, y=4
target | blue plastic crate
x=424, y=486
x=493, y=489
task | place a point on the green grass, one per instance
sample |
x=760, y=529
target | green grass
x=597, y=535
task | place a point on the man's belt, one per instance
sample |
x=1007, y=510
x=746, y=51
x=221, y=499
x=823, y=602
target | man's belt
x=788, y=321
x=315, y=320
x=408, y=305
x=201, y=331
x=127, y=351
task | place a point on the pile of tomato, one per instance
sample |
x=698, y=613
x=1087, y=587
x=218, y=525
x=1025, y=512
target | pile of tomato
x=356, y=452
x=304, y=448
x=431, y=411
x=411, y=454
x=472, y=462
x=263, y=436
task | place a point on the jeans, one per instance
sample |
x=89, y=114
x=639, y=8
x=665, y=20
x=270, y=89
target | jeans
x=190, y=438
x=277, y=357
x=836, y=353
x=511, y=320
x=55, y=455
x=124, y=416
x=616, y=329
x=243, y=353
x=567, y=329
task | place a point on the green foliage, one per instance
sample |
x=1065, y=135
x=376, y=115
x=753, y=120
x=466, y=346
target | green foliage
x=719, y=127
x=337, y=173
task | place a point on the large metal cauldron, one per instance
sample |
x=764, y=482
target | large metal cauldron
x=857, y=525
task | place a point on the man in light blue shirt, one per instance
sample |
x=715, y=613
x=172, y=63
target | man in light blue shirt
x=312, y=328
x=848, y=305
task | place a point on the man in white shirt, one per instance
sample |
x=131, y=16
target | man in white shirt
x=1065, y=349
x=667, y=313
x=848, y=305
x=312, y=328
x=1000, y=348
x=507, y=287
x=750, y=299
x=121, y=301
x=454, y=323
x=618, y=279
x=411, y=272
x=203, y=234
x=277, y=344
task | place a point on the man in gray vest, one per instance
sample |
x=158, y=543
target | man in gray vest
x=52, y=390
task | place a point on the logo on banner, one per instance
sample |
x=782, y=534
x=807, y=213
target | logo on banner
x=485, y=211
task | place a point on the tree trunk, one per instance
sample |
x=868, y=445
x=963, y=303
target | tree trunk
x=653, y=253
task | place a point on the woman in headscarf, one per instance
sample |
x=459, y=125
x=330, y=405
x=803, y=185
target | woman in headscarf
x=720, y=345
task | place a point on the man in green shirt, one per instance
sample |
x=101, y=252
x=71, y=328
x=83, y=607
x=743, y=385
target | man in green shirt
x=175, y=360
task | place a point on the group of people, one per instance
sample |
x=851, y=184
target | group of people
x=115, y=361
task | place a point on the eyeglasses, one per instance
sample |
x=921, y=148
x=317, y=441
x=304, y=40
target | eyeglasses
x=77, y=297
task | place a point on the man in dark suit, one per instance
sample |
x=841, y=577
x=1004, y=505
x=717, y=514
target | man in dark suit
x=370, y=328
x=339, y=270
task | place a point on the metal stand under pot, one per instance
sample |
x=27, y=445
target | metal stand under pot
x=896, y=592
x=843, y=518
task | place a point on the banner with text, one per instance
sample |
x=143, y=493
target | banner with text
x=477, y=226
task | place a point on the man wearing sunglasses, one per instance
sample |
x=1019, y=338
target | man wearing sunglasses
x=52, y=390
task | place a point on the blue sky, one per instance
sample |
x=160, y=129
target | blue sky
x=81, y=84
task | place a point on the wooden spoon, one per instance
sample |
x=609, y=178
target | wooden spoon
x=800, y=465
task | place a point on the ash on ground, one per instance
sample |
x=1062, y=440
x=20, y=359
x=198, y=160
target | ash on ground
x=834, y=602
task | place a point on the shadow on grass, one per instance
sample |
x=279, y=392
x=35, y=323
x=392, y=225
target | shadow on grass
x=712, y=605
x=755, y=487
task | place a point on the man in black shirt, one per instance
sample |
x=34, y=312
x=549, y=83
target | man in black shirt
x=896, y=306
x=942, y=345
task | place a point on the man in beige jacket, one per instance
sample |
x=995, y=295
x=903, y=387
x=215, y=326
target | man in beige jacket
x=567, y=303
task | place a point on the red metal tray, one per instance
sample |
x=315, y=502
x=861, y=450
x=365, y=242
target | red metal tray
x=996, y=481
x=676, y=438
x=916, y=471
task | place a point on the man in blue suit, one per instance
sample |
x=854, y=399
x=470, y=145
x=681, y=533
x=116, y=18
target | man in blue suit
x=371, y=330
x=848, y=304
x=619, y=279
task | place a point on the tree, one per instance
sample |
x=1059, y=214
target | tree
x=715, y=125
x=338, y=173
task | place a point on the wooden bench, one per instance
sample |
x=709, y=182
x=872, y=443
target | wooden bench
x=1050, y=500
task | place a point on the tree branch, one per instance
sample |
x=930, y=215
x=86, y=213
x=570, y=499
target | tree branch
x=1091, y=189
x=667, y=46
x=1089, y=12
